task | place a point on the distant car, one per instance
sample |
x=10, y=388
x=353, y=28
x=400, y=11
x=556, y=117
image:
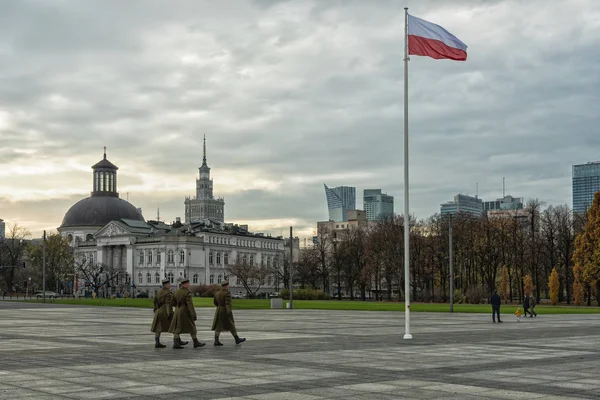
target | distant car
x=238, y=296
x=142, y=295
x=275, y=295
x=49, y=295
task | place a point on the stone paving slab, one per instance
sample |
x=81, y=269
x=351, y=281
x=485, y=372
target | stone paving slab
x=68, y=352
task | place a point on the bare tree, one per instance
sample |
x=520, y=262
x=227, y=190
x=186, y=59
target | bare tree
x=12, y=250
x=252, y=277
x=59, y=260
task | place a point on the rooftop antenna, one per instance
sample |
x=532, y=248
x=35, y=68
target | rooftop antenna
x=477, y=190
x=503, y=187
x=157, y=213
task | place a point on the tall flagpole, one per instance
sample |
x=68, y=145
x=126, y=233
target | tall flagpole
x=407, y=334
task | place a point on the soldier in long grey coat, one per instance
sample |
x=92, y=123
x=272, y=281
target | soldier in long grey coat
x=185, y=316
x=163, y=312
x=223, y=320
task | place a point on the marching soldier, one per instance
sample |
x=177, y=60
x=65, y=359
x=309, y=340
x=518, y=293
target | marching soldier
x=185, y=316
x=223, y=320
x=163, y=312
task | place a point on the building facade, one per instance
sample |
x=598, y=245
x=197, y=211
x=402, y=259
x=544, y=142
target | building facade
x=463, y=204
x=204, y=206
x=357, y=219
x=378, y=205
x=586, y=182
x=503, y=204
x=138, y=255
x=339, y=200
x=118, y=251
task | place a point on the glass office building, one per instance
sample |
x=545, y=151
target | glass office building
x=586, y=182
x=339, y=200
x=378, y=205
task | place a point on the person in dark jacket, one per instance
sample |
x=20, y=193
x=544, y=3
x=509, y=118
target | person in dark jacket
x=526, y=306
x=496, y=301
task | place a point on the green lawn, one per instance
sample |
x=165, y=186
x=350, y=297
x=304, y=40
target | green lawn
x=333, y=305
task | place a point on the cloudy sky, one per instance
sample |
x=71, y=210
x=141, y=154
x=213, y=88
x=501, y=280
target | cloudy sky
x=290, y=95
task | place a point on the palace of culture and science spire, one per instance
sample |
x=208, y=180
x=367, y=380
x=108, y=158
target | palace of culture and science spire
x=204, y=206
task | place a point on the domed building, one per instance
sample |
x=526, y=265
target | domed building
x=87, y=216
x=117, y=251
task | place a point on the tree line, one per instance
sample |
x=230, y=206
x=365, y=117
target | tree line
x=515, y=253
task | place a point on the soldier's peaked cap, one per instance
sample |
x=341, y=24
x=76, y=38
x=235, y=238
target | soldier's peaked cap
x=165, y=281
x=184, y=281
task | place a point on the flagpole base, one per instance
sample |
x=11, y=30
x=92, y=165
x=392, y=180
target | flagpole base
x=407, y=336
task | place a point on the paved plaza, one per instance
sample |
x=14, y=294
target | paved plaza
x=66, y=352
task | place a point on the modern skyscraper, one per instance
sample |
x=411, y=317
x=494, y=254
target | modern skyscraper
x=204, y=205
x=339, y=200
x=463, y=204
x=586, y=182
x=378, y=205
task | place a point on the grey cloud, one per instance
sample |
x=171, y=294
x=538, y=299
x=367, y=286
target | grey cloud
x=292, y=89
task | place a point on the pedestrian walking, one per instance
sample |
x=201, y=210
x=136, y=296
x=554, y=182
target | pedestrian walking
x=532, y=304
x=184, y=319
x=495, y=301
x=223, y=320
x=518, y=313
x=163, y=312
x=526, y=305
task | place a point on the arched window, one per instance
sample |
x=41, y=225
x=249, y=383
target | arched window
x=89, y=236
x=158, y=257
x=195, y=278
x=141, y=257
x=218, y=258
x=148, y=278
x=219, y=278
x=140, y=280
x=268, y=262
x=157, y=277
x=225, y=277
x=226, y=258
x=244, y=259
x=251, y=259
x=149, y=257
x=170, y=256
x=185, y=273
x=171, y=277
x=182, y=256
x=212, y=278
x=210, y=258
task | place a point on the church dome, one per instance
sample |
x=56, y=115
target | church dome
x=99, y=211
x=104, y=205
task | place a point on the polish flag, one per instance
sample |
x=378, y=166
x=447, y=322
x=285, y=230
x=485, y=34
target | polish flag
x=431, y=40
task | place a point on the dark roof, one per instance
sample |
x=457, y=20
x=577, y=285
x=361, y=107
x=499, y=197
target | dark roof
x=99, y=211
x=104, y=163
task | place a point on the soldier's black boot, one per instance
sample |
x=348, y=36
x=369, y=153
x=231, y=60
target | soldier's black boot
x=158, y=344
x=239, y=340
x=177, y=344
x=217, y=342
x=198, y=343
x=181, y=342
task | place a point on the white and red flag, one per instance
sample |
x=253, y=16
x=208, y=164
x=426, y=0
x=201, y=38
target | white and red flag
x=431, y=40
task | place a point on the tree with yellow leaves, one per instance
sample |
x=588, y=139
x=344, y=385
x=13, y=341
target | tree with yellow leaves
x=527, y=284
x=554, y=285
x=587, y=247
x=578, y=287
